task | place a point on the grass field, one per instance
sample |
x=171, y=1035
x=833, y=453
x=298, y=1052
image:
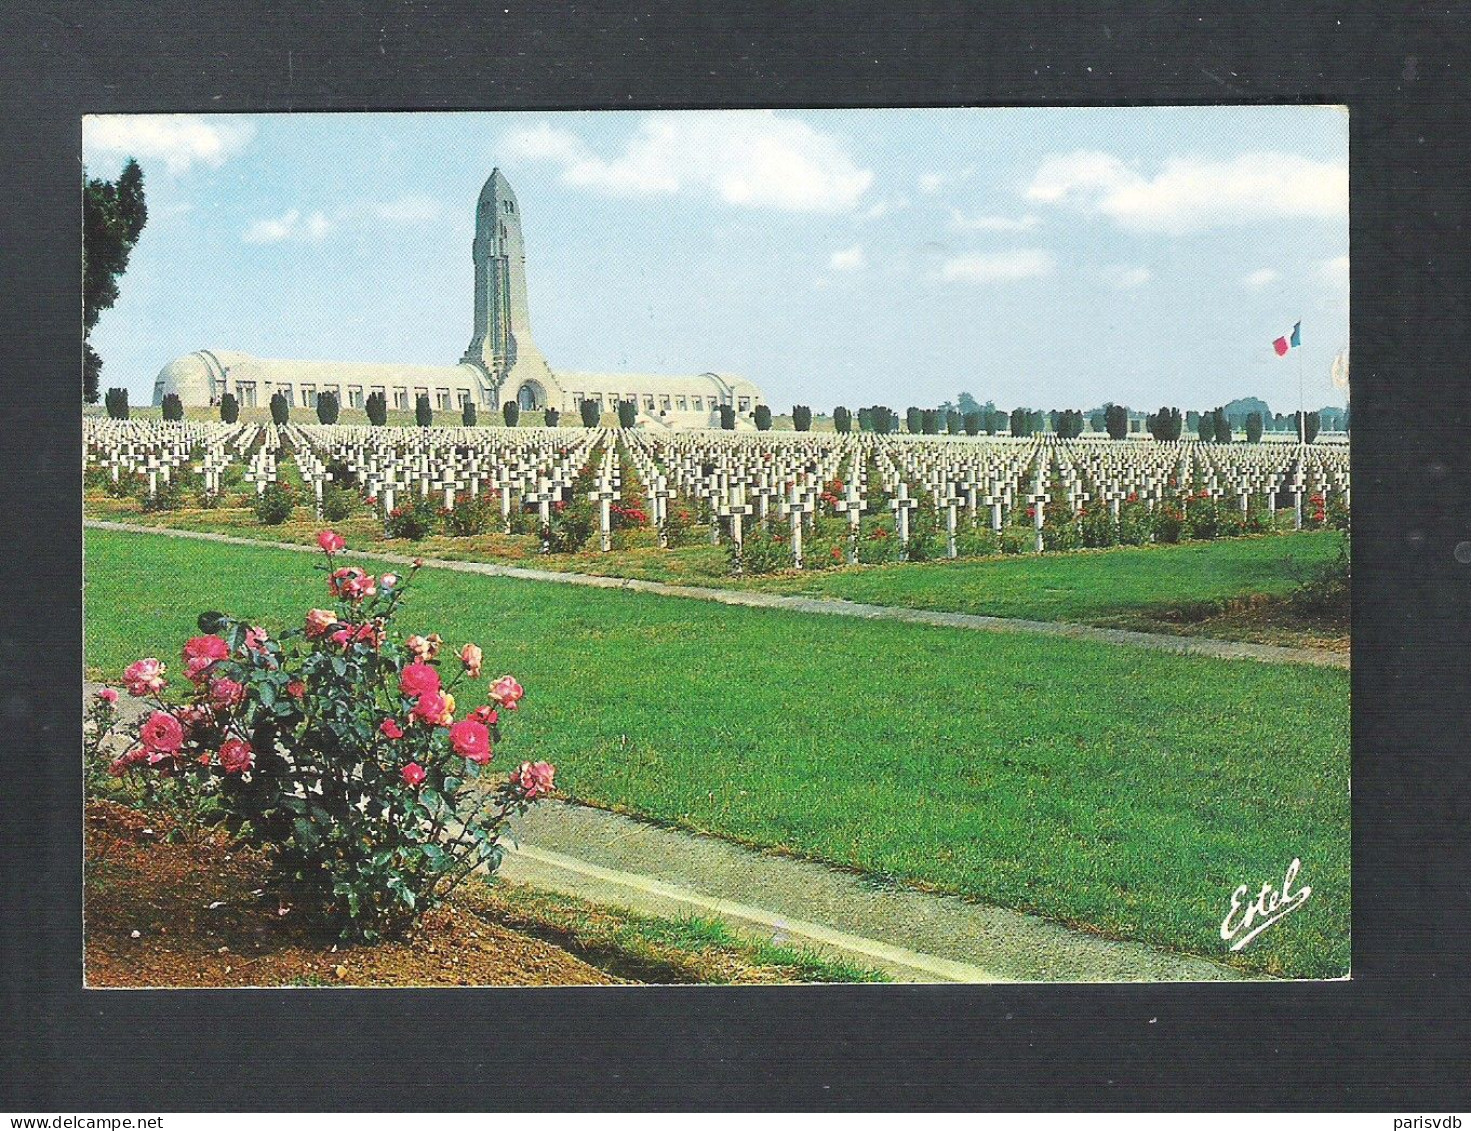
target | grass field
x=1151, y=588
x=1124, y=790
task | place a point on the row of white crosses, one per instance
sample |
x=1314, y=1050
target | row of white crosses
x=519, y=467
x=158, y=450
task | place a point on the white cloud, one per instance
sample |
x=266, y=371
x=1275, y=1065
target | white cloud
x=1335, y=271
x=1263, y=277
x=1191, y=193
x=849, y=259
x=960, y=222
x=997, y=266
x=1126, y=278
x=882, y=208
x=755, y=159
x=291, y=226
x=931, y=183
x=178, y=140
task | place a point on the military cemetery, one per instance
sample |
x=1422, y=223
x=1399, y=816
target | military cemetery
x=1009, y=695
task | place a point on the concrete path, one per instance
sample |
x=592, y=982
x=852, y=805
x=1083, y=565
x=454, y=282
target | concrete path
x=914, y=936
x=1161, y=642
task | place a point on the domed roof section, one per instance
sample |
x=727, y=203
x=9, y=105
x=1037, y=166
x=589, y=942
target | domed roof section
x=196, y=377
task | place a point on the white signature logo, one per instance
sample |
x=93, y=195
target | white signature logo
x=1268, y=907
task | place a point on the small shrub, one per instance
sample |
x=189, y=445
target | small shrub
x=511, y=411
x=627, y=414
x=468, y=415
x=229, y=409
x=590, y=412
x=423, y=411
x=727, y=417
x=1135, y=523
x=982, y=542
x=552, y=417
x=339, y=503
x=414, y=519
x=763, y=418
x=761, y=552
x=333, y=749
x=280, y=410
x=1018, y=540
x=1097, y=527
x=377, y=409
x=170, y=496
x=172, y=406
x=571, y=525
x=327, y=408
x=802, y=417
x=1169, y=523
x=472, y=515
x=116, y=402
x=679, y=525
x=273, y=506
x=879, y=544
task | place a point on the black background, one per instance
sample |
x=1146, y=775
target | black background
x=1395, y=1037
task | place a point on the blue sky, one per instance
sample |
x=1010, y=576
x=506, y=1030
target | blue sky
x=1052, y=258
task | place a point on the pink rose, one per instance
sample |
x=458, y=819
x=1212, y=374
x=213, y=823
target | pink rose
x=161, y=734
x=319, y=621
x=486, y=715
x=390, y=730
x=388, y=581
x=534, y=778
x=435, y=708
x=417, y=679
x=471, y=656
x=255, y=638
x=507, y=692
x=330, y=541
x=471, y=740
x=202, y=652
x=108, y=695
x=236, y=756
x=296, y=689
x=225, y=693
x=145, y=677
x=414, y=774
x=351, y=582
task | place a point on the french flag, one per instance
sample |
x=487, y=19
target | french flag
x=1283, y=344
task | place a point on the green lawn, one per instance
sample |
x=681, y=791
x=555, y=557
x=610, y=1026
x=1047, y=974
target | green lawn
x=1126, y=790
x=1127, y=586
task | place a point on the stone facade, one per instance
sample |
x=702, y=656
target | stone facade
x=502, y=361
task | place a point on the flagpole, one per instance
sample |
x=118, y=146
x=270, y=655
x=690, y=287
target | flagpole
x=1302, y=417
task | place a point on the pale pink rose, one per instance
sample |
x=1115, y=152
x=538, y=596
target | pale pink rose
x=507, y=692
x=534, y=778
x=330, y=541
x=161, y=734
x=471, y=740
x=388, y=581
x=417, y=679
x=255, y=638
x=236, y=756
x=414, y=774
x=471, y=656
x=145, y=677
x=318, y=621
x=108, y=695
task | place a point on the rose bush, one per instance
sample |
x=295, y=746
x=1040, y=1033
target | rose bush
x=335, y=748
